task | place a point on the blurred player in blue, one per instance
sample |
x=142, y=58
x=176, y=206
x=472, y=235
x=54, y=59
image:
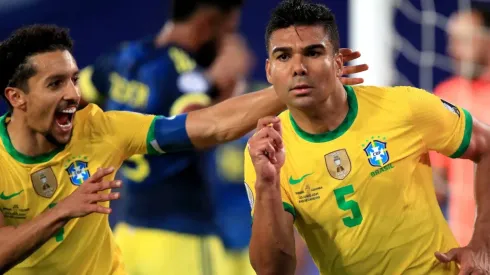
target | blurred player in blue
x=168, y=224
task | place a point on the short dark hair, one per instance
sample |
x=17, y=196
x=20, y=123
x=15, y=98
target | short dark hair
x=24, y=43
x=302, y=13
x=184, y=9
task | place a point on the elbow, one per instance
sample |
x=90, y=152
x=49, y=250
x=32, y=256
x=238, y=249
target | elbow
x=279, y=264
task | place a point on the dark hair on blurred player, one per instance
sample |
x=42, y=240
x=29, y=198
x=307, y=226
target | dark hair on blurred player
x=302, y=13
x=184, y=9
x=15, y=53
x=212, y=18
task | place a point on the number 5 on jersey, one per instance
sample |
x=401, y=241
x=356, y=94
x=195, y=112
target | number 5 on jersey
x=347, y=205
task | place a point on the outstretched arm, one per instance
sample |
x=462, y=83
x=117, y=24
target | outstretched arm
x=232, y=118
x=237, y=116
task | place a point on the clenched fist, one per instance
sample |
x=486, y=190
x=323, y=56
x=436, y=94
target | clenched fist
x=267, y=150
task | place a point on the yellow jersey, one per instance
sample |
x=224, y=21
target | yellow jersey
x=362, y=195
x=31, y=185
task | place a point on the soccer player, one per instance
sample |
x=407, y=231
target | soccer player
x=51, y=156
x=48, y=151
x=195, y=61
x=349, y=166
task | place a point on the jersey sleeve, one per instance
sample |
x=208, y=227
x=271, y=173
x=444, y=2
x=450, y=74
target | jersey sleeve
x=444, y=127
x=250, y=178
x=135, y=133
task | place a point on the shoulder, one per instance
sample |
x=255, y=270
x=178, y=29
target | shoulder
x=87, y=120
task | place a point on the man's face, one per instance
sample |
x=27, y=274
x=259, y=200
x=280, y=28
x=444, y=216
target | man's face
x=53, y=96
x=467, y=44
x=302, y=65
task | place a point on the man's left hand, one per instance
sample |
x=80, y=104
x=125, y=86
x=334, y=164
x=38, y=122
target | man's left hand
x=473, y=259
x=349, y=55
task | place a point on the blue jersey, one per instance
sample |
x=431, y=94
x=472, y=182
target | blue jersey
x=162, y=192
x=3, y=107
x=223, y=170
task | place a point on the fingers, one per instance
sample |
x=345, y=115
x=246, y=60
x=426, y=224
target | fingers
x=355, y=69
x=451, y=255
x=272, y=134
x=101, y=173
x=95, y=208
x=266, y=121
x=351, y=56
x=101, y=197
x=104, y=185
x=351, y=81
x=345, y=51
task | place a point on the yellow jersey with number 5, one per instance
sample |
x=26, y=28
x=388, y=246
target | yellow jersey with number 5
x=362, y=195
x=30, y=186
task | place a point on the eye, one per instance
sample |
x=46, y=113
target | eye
x=283, y=57
x=313, y=54
x=55, y=84
x=75, y=79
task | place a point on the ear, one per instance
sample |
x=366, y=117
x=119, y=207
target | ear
x=16, y=97
x=268, y=70
x=339, y=64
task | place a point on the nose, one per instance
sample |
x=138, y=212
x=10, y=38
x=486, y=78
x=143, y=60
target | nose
x=299, y=66
x=72, y=92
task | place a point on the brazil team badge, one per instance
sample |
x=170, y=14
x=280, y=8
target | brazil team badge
x=44, y=182
x=377, y=153
x=338, y=164
x=78, y=172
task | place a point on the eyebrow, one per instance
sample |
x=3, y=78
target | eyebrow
x=307, y=48
x=58, y=76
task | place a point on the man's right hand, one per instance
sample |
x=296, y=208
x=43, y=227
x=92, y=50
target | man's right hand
x=267, y=151
x=85, y=199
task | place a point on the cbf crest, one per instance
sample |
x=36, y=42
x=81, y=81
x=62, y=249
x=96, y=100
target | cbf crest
x=338, y=164
x=377, y=152
x=44, y=182
x=78, y=172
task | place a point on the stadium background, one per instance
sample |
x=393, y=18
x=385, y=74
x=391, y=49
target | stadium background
x=403, y=41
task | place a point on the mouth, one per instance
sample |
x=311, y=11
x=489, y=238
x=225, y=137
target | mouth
x=64, y=118
x=301, y=89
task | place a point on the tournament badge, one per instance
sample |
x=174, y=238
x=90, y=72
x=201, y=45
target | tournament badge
x=44, y=182
x=338, y=164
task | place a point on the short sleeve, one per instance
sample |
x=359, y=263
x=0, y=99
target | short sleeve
x=444, y=127
x=127, y=131
x=250, y=178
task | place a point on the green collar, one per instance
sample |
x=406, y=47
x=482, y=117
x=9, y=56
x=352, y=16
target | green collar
x=18, y=155
x=343, y=127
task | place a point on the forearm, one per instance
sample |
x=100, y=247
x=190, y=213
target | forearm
x=17, y=243
x=272, y=246
x=482, y=193
x=232, y=118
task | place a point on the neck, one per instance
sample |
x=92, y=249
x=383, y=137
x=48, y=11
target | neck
x=26, y=141
x=324, y=116
x=183, y=34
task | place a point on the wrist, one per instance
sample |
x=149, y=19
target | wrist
x=267, y=190
x=59, y=213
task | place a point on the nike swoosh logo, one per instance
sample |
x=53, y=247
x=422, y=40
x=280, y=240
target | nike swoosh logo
x=293, y=181
x=5, y=197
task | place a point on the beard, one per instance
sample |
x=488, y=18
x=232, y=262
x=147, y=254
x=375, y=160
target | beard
x=50, y=137
x=207, y=53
